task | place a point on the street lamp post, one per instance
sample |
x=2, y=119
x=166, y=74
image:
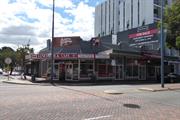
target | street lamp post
x=162, y=45
x=52, y=46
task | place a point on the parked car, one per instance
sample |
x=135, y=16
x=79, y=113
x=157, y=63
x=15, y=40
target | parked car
x=172, y=78
x=1, y=71
x=14, y=73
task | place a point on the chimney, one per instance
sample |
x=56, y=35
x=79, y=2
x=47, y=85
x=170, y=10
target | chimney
x=48, y=44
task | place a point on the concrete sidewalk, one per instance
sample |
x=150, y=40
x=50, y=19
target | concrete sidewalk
x=157, y=87
x=19, y=80
x=16, y=81
x=141, y=87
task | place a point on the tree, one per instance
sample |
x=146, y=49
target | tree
x=172, y=24
x=21, y=52
x=7, y=52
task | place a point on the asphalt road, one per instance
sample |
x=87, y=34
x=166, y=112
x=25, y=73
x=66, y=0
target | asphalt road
x=38, y=102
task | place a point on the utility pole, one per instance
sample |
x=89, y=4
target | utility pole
x=162, y=45
x=52, y=46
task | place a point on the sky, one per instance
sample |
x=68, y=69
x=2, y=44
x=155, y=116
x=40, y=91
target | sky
x=25, y=22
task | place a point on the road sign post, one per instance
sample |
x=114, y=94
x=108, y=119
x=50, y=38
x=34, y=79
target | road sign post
x=8, y=61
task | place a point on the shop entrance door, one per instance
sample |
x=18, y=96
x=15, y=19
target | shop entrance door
x=142, y=72
x=61, y=71
x=119, y=72
x=69, y=71
x=158, y=73
x=56, y=71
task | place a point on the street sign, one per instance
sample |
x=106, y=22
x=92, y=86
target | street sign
x=8, y=60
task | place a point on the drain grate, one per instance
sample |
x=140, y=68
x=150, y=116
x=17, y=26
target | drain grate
x=132, y=106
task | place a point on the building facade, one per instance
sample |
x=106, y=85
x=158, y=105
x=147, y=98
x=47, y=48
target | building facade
x=113, y=16
x=99, y=59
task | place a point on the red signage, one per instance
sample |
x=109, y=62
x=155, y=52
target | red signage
x=66, y=55
x=69, y=56
x=146, y=33
x=39, y=56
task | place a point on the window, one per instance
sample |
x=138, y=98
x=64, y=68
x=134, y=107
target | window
x=86, y=68
x=132, y=70
x=157, y=2
x=157, y=12
x=128, y=24
x=151, y=71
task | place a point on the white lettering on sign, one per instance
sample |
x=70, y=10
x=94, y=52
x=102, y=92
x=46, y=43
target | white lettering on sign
x=91, y=56
x=65, y=41
x=65, y=56
x=39, y=56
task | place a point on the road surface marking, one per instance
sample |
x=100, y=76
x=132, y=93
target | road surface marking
x=100, y=117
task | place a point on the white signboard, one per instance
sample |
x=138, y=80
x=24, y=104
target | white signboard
x=8, y=60
x=90, y=56
x=102, y=56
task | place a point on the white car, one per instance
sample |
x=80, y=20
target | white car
x=1, y=71
x=5, y=73
x=15, y=73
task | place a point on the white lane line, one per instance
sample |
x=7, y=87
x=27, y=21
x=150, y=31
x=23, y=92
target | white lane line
x=100, y=117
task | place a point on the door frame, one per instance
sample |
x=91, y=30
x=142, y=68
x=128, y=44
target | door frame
x=157, y=69
x=56, y=72
x=70, y=70
x=118, y=72
x=139, y=72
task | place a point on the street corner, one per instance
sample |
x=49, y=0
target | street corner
x=153, y=89
x=174, y=88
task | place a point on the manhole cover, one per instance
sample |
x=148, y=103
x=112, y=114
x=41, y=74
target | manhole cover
x=131, y=106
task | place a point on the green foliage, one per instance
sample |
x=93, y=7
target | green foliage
x=7, y=52
x=18, y=56
x=172, y=24
x=21, y=53
x=178, y=41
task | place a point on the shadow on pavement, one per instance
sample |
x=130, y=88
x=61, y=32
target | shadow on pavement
x=96, y=83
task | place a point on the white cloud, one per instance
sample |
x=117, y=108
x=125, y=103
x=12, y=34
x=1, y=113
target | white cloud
x=16, y=27
x=83, y=23
x=58, y=3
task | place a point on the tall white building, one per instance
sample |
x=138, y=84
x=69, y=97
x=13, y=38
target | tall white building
x=114, y=16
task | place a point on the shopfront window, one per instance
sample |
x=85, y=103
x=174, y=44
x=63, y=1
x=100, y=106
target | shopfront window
x=75, y=71
x=132, y=68
x=105, y=70
x=151, y=71
x=132, y=71
x=86, y=68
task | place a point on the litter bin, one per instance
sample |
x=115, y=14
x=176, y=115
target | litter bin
x=33, y=79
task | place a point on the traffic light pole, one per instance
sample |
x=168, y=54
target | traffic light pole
x=52, y=46
x=162, y=45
